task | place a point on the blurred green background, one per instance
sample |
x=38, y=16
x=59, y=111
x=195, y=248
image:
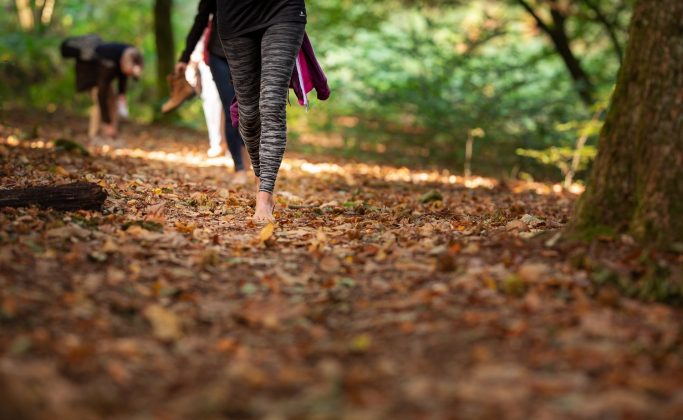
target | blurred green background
x=412, y=81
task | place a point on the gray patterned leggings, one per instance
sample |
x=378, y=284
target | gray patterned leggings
x=261, y=63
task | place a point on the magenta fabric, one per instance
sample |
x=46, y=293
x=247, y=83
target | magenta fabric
x=312, y=76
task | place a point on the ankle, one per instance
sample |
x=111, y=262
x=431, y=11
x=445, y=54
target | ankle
x=264, y=195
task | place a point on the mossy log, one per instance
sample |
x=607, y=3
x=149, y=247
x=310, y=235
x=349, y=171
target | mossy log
x=76, y=196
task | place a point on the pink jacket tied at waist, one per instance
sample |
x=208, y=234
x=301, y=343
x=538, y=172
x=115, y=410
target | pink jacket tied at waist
x=307, y=75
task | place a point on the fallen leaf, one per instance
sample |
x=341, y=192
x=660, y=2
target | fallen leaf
x=267, y=232
x=330, y=264
x=533, y=272
x=165, y=323
x=185, y=227
x=430, y=196
x=70, y=231
x=516, y=225
x=292, y=279
x=360, y=343
x=531, y=221
x=156, y=212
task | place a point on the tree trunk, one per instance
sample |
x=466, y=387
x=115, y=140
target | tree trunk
x=163, y=31
x=76, y=196
x=25, y=14
x=637, y=181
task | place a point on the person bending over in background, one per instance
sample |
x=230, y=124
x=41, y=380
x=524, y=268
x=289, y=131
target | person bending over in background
x=98, y=64
x=116, y=62
x=261, y=40
x=220, y=71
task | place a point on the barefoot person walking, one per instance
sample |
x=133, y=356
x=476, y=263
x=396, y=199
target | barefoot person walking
x=261, y=39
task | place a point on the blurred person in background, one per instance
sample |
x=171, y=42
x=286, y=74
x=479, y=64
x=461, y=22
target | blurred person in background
x=98, y=65
x=199, y=76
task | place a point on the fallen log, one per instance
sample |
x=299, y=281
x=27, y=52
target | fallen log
x=76, y=196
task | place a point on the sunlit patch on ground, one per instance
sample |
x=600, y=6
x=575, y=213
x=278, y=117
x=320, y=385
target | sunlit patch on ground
x=195, y=158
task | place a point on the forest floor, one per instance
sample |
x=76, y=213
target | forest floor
x=379, y=293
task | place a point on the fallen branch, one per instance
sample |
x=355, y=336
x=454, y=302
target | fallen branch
x=76, y=196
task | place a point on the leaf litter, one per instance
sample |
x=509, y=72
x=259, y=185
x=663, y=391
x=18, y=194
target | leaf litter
x=376, y=294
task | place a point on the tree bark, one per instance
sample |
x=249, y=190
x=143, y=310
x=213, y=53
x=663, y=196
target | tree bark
x=163, y=31
x=637, y=181
x=76, y=196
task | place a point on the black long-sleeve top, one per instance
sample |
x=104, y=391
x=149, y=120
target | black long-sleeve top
x=109, y=68
x=205, y=10
x=239, y=17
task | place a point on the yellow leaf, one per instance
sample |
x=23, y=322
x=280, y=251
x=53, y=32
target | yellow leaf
x=165, y=323
x=267, y=232
x=185, y=228
x=109, y=246
x=361, y=343
x=61, y=171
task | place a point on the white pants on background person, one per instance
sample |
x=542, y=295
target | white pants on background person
x=198, y=74
x=213, y=110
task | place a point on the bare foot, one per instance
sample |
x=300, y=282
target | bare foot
x=215, y=152
x=264, y=207
x=239, y=178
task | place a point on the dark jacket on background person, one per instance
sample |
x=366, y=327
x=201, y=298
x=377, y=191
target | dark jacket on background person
x=205, y=10
x=101, y=72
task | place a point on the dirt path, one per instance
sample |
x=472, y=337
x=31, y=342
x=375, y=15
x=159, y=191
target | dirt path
x=380, y=293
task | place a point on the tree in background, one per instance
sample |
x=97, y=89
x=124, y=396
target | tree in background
x=36, y=14
x=562, y=21
x=637, y=181
x=556, y=30
x=163, y=35
x=555, y=26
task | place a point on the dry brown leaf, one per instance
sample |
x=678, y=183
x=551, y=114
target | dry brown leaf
x=330, y=264
x=165, y=323
x=516, y=225
x=156, y=212
x=109, y=246
x=185, y=227
x=270, y=313
x=293, y=279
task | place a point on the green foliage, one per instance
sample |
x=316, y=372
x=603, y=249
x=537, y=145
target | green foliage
x=591, y=233
x=34, y=73
x=560, y=157
x=408, y=87
x=70, y=146
x=409, y=81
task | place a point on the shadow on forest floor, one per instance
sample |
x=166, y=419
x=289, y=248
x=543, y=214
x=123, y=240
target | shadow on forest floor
x=380, y=293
